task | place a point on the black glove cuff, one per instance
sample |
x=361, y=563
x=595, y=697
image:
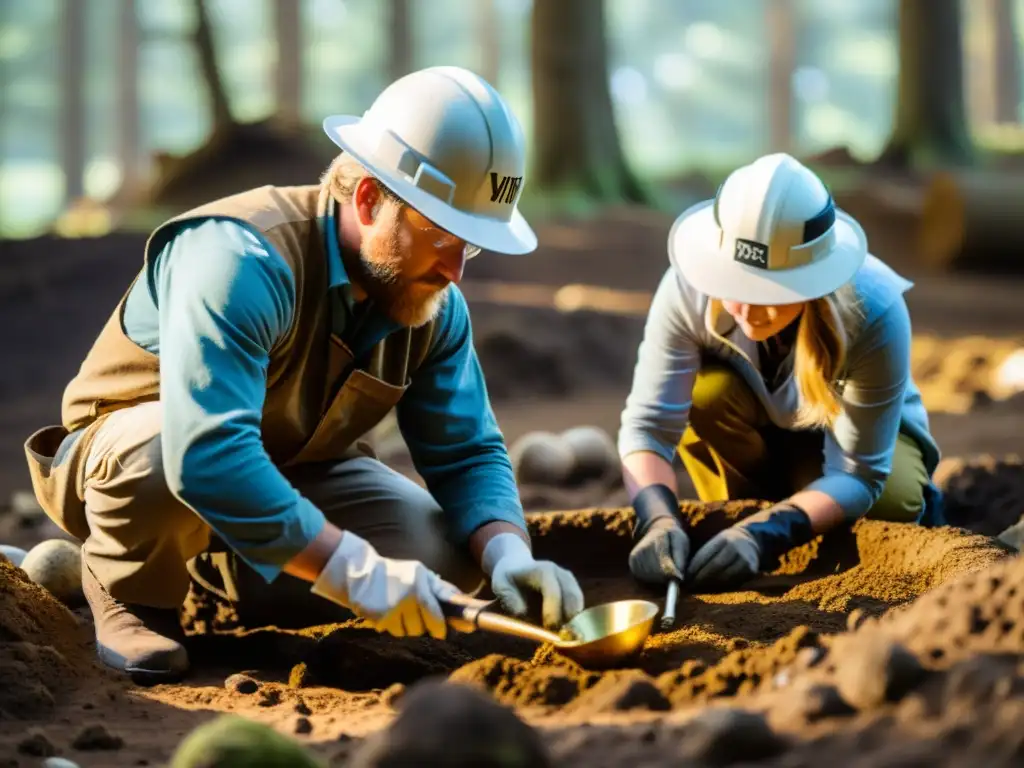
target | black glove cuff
x=779, y=529
x=654, y=503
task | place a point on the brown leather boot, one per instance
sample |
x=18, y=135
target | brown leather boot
x=144, y=642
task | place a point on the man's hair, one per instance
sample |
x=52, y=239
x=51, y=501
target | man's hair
x=342, y=176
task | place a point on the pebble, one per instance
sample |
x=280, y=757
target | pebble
x=303, y=726
x=722, y=736
x=235, y=740
x=95, y=738
x=872, y=670
x=486, y=733
x=56, y=565
x=37, y=744
x=594, y=452
x=26, y=507
x=59, y=762
x=240, y=683
x=542, y=458
x=15, y=554
x=302, y=708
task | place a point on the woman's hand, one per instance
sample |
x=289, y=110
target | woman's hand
x=752, y=545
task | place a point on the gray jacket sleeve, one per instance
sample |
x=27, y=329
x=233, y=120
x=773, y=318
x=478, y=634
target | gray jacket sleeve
x=668, y=359
x=860, y=445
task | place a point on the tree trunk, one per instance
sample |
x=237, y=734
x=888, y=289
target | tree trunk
x=72, y=99
x=971, y=221
x=235, y=156
x=129, y=149
x=781, y=29
x=576, y=143
x=489, y=39
x=288, y=75
x=220, y=107
x=930, y=126
x=1006, y=53
x=400, y=39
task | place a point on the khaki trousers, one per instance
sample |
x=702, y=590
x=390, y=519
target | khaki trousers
x=732, y=450
x=144, y=544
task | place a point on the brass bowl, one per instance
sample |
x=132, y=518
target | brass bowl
x=610, y=633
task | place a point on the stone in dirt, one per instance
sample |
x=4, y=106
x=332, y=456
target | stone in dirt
x=96, y=738
x=37, y=744
x=723, y=736
x=240, y=683
x=453, y=725
x=56, y=565
x=874, y=670
x=229, y=741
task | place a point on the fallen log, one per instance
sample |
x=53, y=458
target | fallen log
x=973, y=221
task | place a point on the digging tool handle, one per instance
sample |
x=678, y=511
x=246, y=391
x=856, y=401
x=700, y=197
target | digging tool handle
x=668, y=618
x=466, y=614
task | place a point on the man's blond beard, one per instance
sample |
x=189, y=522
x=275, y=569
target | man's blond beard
x=382, y=266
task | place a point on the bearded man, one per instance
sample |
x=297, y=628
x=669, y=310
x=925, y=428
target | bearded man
x=214, y=429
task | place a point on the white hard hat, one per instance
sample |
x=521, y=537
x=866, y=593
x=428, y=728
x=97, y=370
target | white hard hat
x=772, y=235
x=443, y=140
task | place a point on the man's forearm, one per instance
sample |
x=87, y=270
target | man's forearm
x=310, y=561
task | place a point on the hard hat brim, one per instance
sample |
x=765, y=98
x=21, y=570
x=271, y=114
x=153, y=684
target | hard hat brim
x=695, y=248
x=514, y=237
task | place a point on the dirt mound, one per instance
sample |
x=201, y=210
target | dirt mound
x=44, y=652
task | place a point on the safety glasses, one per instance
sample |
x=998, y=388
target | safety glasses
x=439, y=238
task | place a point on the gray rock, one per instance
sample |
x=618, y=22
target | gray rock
x=873, y=670
x=725, y=736
x=453, y=725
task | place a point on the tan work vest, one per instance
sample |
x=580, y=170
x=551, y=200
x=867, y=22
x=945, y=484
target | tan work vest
x=318, y=404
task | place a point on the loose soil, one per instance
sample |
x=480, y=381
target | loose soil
x=331, y=686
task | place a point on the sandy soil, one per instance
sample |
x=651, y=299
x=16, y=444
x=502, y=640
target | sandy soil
x=331, y=686
x=834, y=657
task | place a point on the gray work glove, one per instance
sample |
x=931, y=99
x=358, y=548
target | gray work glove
x=510, y=564
x=661, y=546
x=752, y=545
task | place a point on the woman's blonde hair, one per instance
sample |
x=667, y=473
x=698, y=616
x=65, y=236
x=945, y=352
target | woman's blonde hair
x=823, y=338
x=826, y=327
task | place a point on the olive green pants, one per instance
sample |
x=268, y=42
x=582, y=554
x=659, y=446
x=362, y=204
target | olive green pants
x=732, y=450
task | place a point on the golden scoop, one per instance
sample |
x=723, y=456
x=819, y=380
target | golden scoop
x=600, y=636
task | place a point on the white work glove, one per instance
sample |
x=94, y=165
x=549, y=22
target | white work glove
x=508, y=562
x=395, y=596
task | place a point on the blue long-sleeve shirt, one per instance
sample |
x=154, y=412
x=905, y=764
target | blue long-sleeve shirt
x=212, y=304
x=879, y=398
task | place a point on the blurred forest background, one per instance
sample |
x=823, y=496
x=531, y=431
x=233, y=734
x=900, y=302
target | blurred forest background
x=103, y=98
x=119, y=113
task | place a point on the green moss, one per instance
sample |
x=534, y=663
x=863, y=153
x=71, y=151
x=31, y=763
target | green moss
x=230, y=741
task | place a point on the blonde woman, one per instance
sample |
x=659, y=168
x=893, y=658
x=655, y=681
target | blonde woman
x=776, y=361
